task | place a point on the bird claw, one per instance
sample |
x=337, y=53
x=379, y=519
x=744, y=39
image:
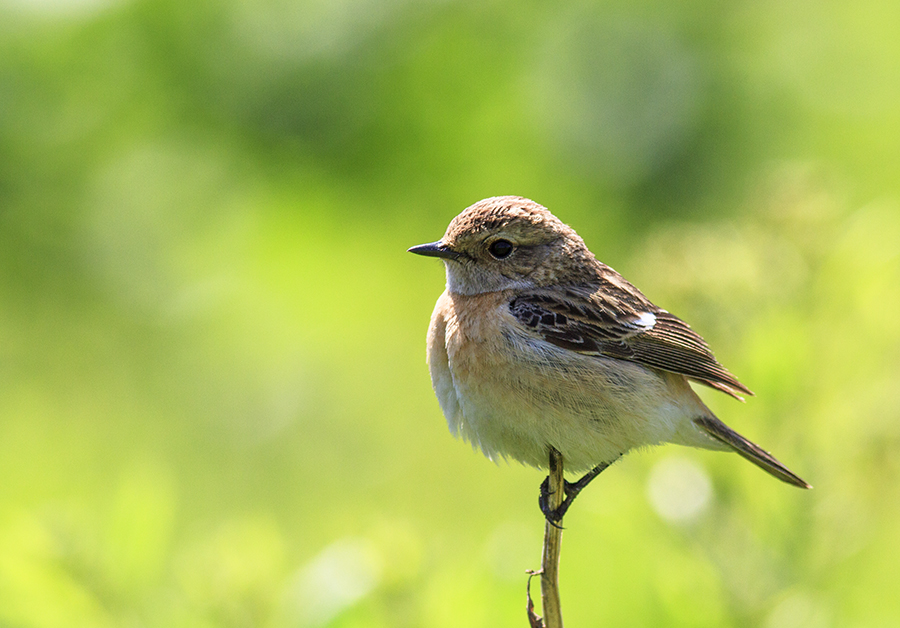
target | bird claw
x=571, y=489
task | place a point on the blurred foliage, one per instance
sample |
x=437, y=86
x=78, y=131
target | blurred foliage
x=214, y=409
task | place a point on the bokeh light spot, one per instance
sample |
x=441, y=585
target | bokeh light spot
x=679, y=490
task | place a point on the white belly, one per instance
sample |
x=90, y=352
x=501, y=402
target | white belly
x=515, y=395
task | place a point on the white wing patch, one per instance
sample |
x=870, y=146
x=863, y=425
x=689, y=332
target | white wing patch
x=645, y=321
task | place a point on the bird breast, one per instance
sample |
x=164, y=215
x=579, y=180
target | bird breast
x=512, y=394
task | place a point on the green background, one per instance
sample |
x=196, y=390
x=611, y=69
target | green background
x=214, y=406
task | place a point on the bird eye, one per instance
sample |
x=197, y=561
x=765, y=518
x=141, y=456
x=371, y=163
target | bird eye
x=500, y=248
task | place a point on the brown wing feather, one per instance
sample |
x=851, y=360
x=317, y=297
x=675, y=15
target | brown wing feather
x=592, y=323
x=671, y=345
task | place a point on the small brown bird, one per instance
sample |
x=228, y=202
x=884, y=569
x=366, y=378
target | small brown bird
x=535, y=344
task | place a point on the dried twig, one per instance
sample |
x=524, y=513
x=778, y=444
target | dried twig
x=549, y=571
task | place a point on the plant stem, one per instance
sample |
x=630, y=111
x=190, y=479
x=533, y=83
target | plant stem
x=552, y=545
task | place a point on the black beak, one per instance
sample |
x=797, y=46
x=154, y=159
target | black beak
x=435, y=249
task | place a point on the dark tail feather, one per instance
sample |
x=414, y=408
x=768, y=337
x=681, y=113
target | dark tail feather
x=752, y=452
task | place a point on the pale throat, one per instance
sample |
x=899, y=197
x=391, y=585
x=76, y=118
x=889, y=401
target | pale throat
x=468, y=281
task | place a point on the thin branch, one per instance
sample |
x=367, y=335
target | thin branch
x=552, y=544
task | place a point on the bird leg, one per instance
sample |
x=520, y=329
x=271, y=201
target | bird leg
x=572, y=489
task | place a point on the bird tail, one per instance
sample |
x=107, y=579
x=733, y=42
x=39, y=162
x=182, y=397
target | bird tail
x=752, y=452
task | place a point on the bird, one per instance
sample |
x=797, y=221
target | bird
x=535, y=346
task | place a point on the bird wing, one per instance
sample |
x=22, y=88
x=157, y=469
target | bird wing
x=619, y=322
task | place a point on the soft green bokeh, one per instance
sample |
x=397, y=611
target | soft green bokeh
x=214, y=408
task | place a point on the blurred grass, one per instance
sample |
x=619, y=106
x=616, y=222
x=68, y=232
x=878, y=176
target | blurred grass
x=214, y=409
